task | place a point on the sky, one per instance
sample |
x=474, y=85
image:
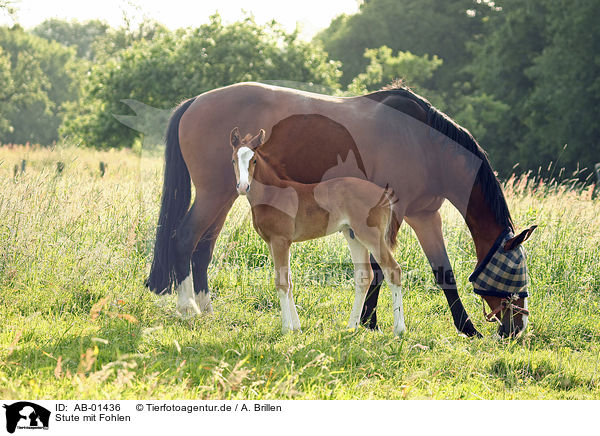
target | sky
x=311, y=15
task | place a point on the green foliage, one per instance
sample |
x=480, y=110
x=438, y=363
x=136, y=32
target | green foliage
x=114, y=40
x=540, y=59
x=419, y=26
x=6, y=92
x=73, y=34
x=175, y=65
x=564, y=101
x=42, y=77
x=385, y=68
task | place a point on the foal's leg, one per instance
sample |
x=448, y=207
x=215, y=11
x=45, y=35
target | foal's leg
x=392, y=273
x=374, y=240
x=362, y=276
x=280, y=250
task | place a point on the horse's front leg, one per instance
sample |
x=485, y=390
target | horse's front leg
x=363, y=274
x=428, y=228
x=280, y=250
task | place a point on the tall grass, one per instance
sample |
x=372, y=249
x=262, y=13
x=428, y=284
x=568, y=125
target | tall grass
x=76, y=321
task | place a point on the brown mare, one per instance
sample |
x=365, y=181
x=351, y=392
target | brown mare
x=395, y=139
x=361, y=210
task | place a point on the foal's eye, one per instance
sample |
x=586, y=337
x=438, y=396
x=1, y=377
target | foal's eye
x=233, y=161
x=254, y=161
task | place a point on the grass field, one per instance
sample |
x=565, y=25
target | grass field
x=76, y=321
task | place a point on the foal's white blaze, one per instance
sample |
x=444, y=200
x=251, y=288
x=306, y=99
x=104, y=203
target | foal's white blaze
x=186, y=303
x=245, y=154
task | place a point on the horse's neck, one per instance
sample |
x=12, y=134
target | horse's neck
x=482, y=223
x=266, y=174
x=264, y=179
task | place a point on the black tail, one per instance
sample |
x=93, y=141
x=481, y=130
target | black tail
x=175, y=203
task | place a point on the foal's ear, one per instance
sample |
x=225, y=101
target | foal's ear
x=258, y=140
x=513, y=243
x=234, y=137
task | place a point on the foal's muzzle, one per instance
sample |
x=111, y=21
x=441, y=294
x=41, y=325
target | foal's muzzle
x=243, y=189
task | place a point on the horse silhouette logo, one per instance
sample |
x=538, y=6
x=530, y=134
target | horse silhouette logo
x=26, y=415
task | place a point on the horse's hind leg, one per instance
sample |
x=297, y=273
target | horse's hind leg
x=362, y=276
x=194, y=224
x=201, y=258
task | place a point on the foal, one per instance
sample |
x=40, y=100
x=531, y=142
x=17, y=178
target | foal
x=284, y=211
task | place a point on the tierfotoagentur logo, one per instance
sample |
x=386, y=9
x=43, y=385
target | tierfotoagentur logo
x=24, y=415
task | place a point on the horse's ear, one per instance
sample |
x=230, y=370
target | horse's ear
x=258, y=140
x=234, y=137
x=513, y=243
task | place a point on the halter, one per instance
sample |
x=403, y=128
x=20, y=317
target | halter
x=505, y=303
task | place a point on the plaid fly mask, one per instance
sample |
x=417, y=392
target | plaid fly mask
x=502, y=273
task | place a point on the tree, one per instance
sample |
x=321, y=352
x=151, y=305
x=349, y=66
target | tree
x=540, y=60
x=73, y=34
x=6, y=93
x=562, y=107
x=174, y=65
x=384, y=68
x=42, y=77
x=420, y=26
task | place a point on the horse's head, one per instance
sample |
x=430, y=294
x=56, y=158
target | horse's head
x=511, y=314
x=243, y=157
x=502, y=280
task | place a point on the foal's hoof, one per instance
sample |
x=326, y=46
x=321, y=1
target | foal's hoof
x=399, y=330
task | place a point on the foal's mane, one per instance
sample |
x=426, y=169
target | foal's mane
x=486, y=178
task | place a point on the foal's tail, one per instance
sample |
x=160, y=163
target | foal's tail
x=175, y=202
x=391, y=232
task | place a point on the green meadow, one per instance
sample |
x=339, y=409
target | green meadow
x=76, y=321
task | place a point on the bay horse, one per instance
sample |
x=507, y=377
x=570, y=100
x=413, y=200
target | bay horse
x=361, y=210
x=397, y=139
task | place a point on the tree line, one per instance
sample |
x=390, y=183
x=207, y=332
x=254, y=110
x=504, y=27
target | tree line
x=522, y=75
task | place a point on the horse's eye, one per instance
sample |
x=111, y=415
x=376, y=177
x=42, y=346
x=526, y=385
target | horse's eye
x=233, y=161
x=254, y=161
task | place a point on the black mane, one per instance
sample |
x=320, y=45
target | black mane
x=486, y=178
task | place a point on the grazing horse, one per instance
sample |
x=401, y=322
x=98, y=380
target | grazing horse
x=395, y=138
x=285, y=211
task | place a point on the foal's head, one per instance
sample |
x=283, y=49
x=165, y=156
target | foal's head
x=243, y=157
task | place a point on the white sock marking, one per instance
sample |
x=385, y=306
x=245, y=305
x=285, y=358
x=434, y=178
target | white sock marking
x=286, y=315
x=399, y=326
x=186, y=304
x=203, y=302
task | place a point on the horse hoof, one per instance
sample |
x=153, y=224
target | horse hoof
x=472, y=333
x=204, y=303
